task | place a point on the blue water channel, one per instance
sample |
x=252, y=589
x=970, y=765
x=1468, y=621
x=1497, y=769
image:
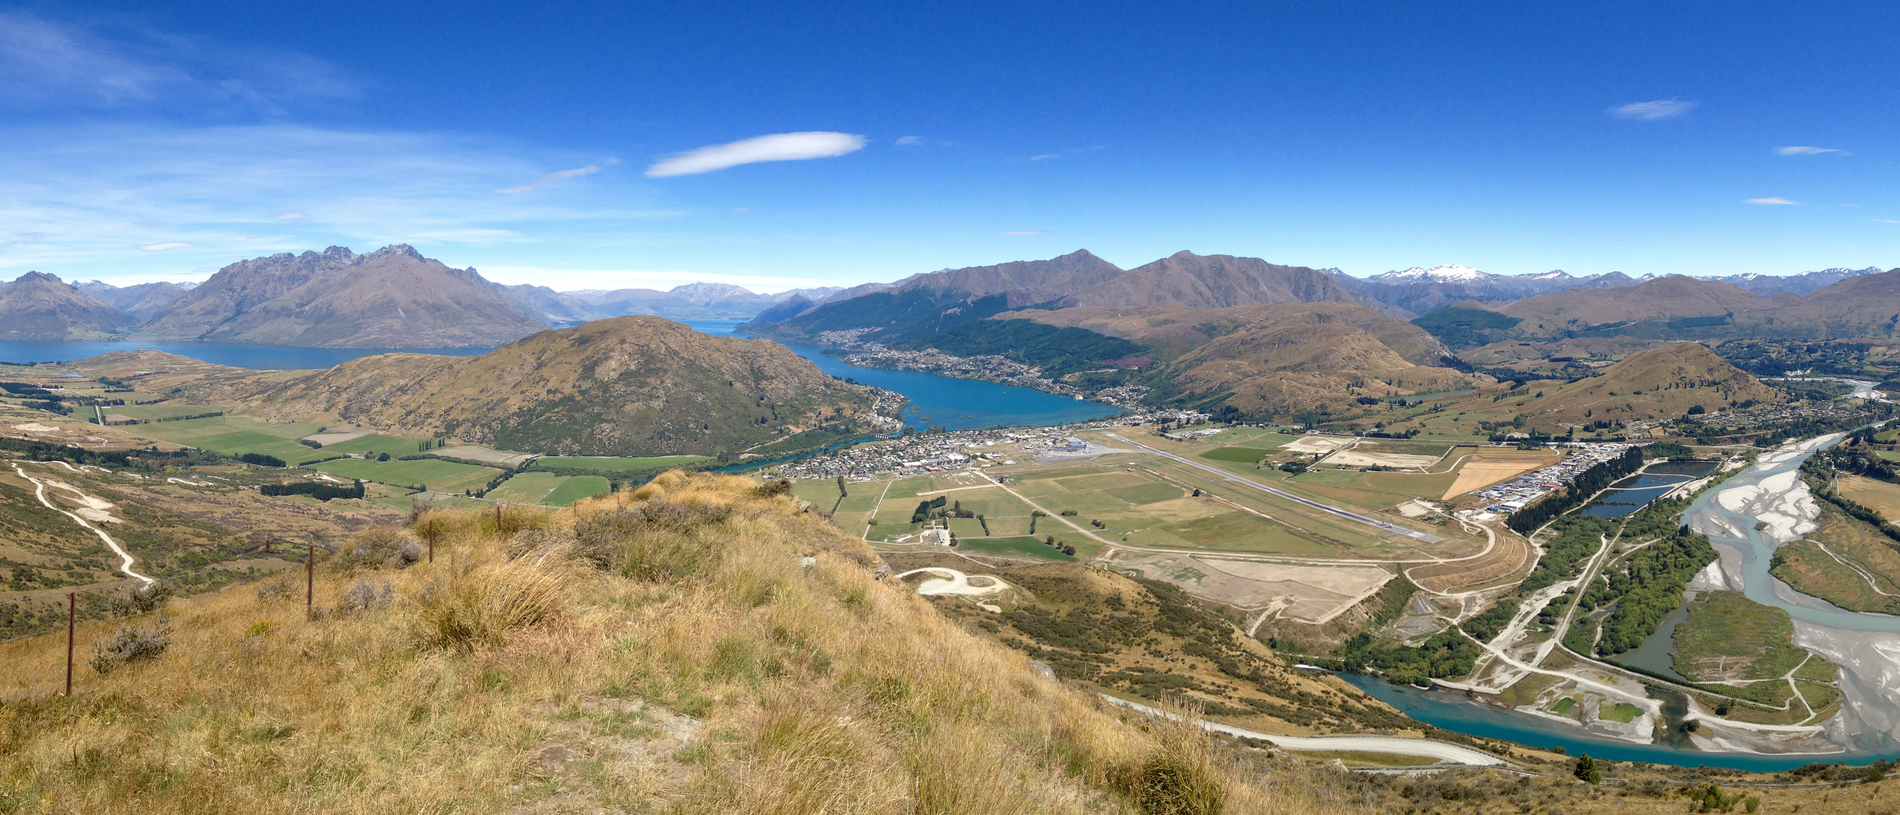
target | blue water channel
x=1633, y=493
x=948, y=402
x=941, y=401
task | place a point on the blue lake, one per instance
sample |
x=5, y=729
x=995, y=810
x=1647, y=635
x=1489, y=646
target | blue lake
x=1634, y=493
x=941, y=401
x=948, y=402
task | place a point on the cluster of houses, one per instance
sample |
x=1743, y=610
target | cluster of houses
x=1523, y=490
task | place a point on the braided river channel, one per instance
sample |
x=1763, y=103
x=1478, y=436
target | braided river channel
x=1769, y=495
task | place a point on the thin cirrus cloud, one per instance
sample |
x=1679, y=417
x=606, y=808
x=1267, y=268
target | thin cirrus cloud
x=1024, y=232
x=1807, y=151
x=1653, y=109
x=552, y=179
x=163, y=247
x=290, y=215
x=1773, y=202
x=1886, y=221
x=51, y=63
x=910, y=141
x=775, y=147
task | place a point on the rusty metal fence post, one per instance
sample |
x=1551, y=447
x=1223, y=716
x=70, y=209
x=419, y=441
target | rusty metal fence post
x=72, y=623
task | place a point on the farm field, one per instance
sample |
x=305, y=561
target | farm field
x=616, y=464
x=435, y=474
x=376, y=443
x=1491, y=466
x=164, y=411
x=546, y=488
x=1846, y=562
x=1879, y=496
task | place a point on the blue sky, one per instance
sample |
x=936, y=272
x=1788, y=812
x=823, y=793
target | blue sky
x=554, y=143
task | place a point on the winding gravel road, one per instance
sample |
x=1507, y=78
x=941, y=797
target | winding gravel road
x=1390, y=745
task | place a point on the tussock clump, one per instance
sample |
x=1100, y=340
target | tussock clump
x=489, y=598
x=656, y=539
x=129, y=645
x=366, y=595
x=1177, y=776
x=380, y=548
x=142, y=600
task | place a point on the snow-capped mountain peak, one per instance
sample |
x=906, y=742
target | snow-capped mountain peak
x=1448, y=272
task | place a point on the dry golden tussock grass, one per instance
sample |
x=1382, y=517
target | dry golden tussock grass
x=694, y=646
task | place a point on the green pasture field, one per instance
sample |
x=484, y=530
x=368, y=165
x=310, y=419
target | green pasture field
x=617, y=463
x=156, y=411
x=1032, y=547
x=546, y=488
x=909, y=487
x=240, y=442
x=1255, y=437
x=1725, y=626
x=436, y=474
x=863, y=498
x=181, y=432
x=821, y=493
x=1244, y=455
x=376, y=443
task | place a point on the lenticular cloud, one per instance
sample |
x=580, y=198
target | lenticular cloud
x=776, y=147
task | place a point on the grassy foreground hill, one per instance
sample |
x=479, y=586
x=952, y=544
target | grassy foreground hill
x=621, y=386
x=696, y=645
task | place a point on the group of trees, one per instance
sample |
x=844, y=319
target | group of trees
x=1646, y=589
x=1446, y=654
x=315, y=489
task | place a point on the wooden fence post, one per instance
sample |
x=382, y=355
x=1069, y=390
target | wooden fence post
x=431, y=541
x=310, y=581
x=72, y=622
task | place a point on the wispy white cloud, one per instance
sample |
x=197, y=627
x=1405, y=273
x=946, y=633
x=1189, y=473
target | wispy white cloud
x=910, y=141
x=1023, y=232
x=1045, y=157
x=100, y=192
x=1886, y=221
x=1655, y=109
x=1773, y=202
x=553, y=178
x=47, y=63
x=775, y=147
x=164, y=247
x=1807, y=151
x=573, y=279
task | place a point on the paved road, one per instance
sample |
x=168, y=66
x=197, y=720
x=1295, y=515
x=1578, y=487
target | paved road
x=1390, y=745
x=1427, y=537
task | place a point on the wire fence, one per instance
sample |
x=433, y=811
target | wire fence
x=52, y=663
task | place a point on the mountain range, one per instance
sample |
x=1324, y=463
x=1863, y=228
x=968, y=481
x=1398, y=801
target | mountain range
x=391, y=298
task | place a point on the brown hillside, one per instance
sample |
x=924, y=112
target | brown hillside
x=390, y=298
x=1175, y=329
x=1662, y=298
x=1660, y=383
x=1217, y=281
x=623, y=386
x=1865, y=307
x=41, y=307
x=697, y=645
x=1024, y=282
x=1276, y=360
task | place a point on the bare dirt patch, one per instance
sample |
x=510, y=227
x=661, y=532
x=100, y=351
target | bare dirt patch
x=1355, y=458
x=335, y=435
x=1318, y=444
x=1311, y=594
x=1508, y=561
x=484, y=454
x=1483, y=470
